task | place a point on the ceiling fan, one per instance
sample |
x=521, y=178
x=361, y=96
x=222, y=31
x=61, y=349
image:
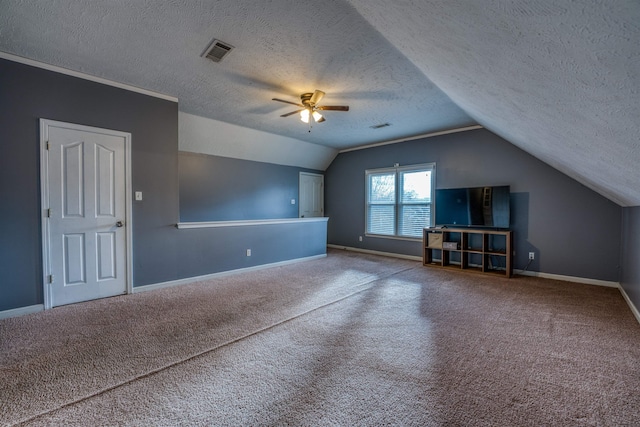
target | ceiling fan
x=309, y=107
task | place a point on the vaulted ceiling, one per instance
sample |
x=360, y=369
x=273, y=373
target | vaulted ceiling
x=559, y=79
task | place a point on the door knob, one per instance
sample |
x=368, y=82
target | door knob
x=119, y=224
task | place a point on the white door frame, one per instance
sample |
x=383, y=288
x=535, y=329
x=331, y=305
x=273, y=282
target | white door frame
x=300, y=207
x=44, y=191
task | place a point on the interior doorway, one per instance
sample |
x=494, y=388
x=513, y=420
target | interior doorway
x=311, y=195
x=86, y=227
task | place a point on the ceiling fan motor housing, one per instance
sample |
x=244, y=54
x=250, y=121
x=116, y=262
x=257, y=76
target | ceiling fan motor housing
x=305, y=98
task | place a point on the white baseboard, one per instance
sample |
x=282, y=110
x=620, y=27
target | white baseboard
x=583, y=280
x=40, y=307
x=630, y=303
x=368, y=251
x=574, y=279
x=187, y=280
x=21, y=311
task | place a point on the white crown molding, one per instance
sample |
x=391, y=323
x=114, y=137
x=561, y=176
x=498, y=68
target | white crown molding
x=66, y=71
x=413, y=138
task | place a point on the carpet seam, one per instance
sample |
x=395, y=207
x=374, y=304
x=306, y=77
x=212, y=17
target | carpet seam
x=368, y=285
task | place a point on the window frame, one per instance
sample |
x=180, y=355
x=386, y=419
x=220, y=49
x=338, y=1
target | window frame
x=398, y=202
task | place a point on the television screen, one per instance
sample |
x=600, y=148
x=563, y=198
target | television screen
x=473, y=207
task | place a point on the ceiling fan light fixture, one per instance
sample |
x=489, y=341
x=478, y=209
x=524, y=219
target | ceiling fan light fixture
x=304, y=115
x=309, y=110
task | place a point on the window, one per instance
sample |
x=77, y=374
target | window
x=399, y=200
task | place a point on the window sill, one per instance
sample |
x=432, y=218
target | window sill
x=385, y=236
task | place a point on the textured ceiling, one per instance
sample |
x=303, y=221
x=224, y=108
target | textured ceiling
x=282, y=48
x=560, y=79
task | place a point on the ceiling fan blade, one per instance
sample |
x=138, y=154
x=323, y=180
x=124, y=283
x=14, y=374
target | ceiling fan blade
x=334, y=107
x=287, y=102
x=291, y=113
x=316, y=97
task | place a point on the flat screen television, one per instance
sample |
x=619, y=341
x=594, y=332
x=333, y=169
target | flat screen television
x=473, y=207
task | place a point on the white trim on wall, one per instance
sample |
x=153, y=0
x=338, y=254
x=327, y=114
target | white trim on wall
x=66, y=71
x=21, y=311
x=412, y=138
x=145, y=288
x=245, y=223
x=371, y=252
x=583, y=280
x=633, y=308
x=580, y=280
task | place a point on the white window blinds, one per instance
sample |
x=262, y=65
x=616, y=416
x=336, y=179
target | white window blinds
x=399, y=200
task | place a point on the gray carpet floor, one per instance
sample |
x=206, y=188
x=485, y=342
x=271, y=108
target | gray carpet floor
x=348, y=340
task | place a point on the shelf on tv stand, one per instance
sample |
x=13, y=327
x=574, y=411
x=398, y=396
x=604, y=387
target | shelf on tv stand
x=482, y=250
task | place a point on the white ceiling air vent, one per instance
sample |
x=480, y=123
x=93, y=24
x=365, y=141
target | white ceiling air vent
x=217, y=50
x=380, y=126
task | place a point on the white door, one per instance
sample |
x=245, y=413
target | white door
x=85, y=203
x=311, y=195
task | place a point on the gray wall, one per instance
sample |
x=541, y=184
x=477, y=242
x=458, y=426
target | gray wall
x=573, y=230
x=161, y=252
x=28, y=94
x=630, y=277
x=214, y=188
x=213, y=250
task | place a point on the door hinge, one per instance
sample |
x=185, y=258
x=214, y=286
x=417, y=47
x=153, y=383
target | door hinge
x=49, y=213
x=50, y=278
x=48, y=145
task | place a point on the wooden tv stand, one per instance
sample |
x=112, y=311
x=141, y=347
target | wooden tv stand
x=485, y=251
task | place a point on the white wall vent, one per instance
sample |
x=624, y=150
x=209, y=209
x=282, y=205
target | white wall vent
x=380, y=126
x=217, y=50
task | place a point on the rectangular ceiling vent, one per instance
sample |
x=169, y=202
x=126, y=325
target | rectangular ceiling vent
x=217, y=50
x=380, y=126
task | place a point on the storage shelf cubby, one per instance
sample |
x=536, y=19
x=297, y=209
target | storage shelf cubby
x=486, y=251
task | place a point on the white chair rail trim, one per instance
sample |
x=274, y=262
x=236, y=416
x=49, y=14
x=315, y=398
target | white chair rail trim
x=245, y=223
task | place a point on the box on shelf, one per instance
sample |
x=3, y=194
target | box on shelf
x=434, y=240
x=450, y=245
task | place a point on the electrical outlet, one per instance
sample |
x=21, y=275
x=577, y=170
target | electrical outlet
x=248, y=252
x=532, y=255
x=360, y=238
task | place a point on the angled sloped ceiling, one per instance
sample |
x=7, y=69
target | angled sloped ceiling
x=559, y=79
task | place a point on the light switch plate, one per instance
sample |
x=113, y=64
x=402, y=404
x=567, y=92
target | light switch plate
x=138, y=195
